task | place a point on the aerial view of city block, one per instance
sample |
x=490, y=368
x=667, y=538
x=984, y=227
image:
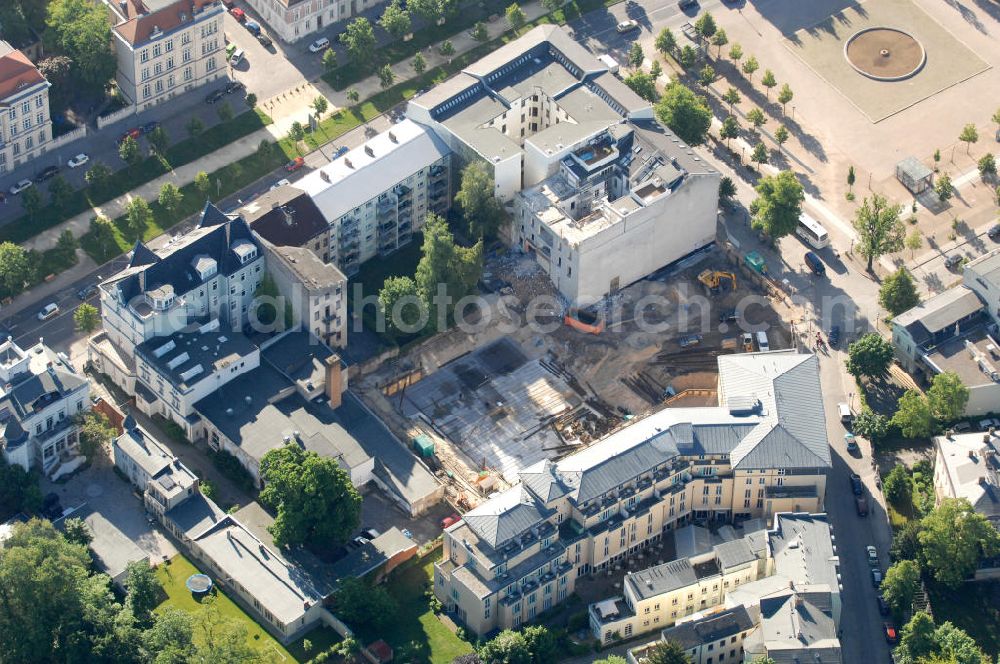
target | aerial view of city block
x=470, y=332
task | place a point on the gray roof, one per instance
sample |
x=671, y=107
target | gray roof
x=312, y=272
x=914, y=169
x=661, y=579
x=187, y=358
x=373, y=554
x=196, y=515
x=298, y=355
x=735, y=553
x=285, y=217
x=802, y=548
x=709, y=629
x=505, y=517
x=795, y=627
x=32, y=392
x=148, y=454
x=986, y=267
x=942, y=310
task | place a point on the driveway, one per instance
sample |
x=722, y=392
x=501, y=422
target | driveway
x=381, y=513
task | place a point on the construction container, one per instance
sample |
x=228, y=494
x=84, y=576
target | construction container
x=424, y=445
x=756, y=262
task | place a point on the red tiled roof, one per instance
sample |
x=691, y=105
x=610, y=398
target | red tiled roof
x=17, y=72
x=138, y=28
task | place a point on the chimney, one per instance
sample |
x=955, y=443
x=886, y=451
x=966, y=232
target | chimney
x=392, y=137
x=289, y=215
x=347, y=162
x=324, y=176
x=369, y=151
x=334, y=381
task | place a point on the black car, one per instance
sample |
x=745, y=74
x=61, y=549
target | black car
x=687, y=4
x=994, y=232
x=264, y=40
x=85, y=292
x=834, y=335
x=215, y=96
x=883, y=606
x=46, y=173
x=149, y=127
x=856, y=486
x=728, y=316
x=234, y=86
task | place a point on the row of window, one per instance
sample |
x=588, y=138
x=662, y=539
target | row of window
x=39, y=101
x=167, y=46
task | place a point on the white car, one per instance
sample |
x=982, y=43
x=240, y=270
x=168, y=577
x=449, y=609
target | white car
x=20, y=186
x=78, y=160
x=626, y=26
x=280, y=183
x=319, y=45
x=48, y=311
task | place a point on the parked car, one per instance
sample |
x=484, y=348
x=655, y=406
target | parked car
x=134, y=132
x=341, y=151
x=149, y=127
x=295, y=164
x=857, y=486
x=85, y=292
x=449, y=521
x=46, y=173
x=994, y=232
x=846, y=416
x=687, y=4
x=237, y=57
x=728, y=316
x=20, y=186
x=238, y=14
x=690, y=340
x=78, y=160
x=872, y=554
x=214, y=96
x=234, y=86
x=48, y=311
x=359, y=541
x=319, y=45
x=370, y=533
x=762, y=343
x=280, y=183
x=890, y=632
x=876, y=576
x=985, y=424
x=253, y=27
x=747, y=341
x=861, y=505
x=264, y=40
x=626, y=26
x=953, y=261
x=815, y=264
x=834, y=337
x=883, y=606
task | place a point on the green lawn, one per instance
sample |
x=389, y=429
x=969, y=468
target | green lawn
x=975, y=607
x=172, y=578
x=418, y=636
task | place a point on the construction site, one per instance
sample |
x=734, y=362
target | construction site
x=493, y=401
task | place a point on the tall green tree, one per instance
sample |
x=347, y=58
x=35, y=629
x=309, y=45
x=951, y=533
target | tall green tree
x=913, y=415
x=542, y=644
x=687, y=114
x=987, y=166
x=401, y=304
x=86, y=318
x=19, y=490
x=81, y=30
x=170, y=197
x=780, y=135
x=719, y=39
x=968, y=136
x=731, y=97
x=15, y=269
x=768, y=81
x=687, y=56
x=429, y=10
x=362, y=605
x=138, y=217
x=223, y=639
x=316, y=503
x=158, y=139
x=60, y=191
x=515, y=17
x=947, y=396
x=759, y=154
x=778, y=205
x=31, y=201
x=917, y=638
x=359, y=39
x=869, y=356
x=396, y=20
x=750, y=66
x=666, y=43
x=96, y=432
x=129, y=151
x=943, y=187
x=954, y=538
x=635, y=55
x=736, y=52
x=785, y=95
x=76, y=531
x=914, y=240
x=143, y=591
x=705, y=26
x=880, y=228
x=446, y=267
x=98, y=176
x=898, y=292
x=898, y=486
x=730, y=129
x=419, y=64
x=507, y=647
x=757, y=118
x=195, y=127
x=482, y=212
x=706, y=76
x=642, y=84
x=727, y=190
x=320, y=105
x=102, y=234
x=329, y=60
x=667, y=652
x=900, y=585
x=386, y=76
x=172, y=637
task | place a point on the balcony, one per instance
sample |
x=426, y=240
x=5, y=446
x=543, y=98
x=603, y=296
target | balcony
x=401, y=190
x=437, y=170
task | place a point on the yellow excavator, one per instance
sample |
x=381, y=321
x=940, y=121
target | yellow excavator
x=713, y=279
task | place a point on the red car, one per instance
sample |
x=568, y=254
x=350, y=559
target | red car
x=890, y=632
x=449, y=521
x=238, y=14
x=134, y=132
x=295, y=164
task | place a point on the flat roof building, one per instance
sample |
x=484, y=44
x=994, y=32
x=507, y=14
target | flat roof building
x=966, y=466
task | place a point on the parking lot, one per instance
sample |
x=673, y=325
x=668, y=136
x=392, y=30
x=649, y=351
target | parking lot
x=380, y=513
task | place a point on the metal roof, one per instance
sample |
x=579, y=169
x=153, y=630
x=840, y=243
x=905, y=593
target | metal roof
x=942, y=310
x=506, y=516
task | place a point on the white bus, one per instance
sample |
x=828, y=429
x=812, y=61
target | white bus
x=812, y=232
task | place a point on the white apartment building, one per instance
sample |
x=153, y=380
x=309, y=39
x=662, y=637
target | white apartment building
x=165, y=482
x=166, y=47
x=966, y=466
x=40, y=395
x=291, y=20
x=762, y=450
x=25, y=125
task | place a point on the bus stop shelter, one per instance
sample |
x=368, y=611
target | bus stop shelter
x=914, y=175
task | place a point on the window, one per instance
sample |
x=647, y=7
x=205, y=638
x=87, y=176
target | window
x=29, y=143
x=170, y=45
x=170, y=63
x=187, y=73
x=186, y=56
x=26, y=107
x=146, y=91
x=158, y=68
x=38, y=101
x=210, y=64
x=156, y=50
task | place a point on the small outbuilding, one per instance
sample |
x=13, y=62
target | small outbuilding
x=914, y=175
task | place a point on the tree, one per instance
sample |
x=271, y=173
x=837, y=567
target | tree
x=730, y=129
x=251, y=98
x=705, y=26
x=666, y=652
x=76, y=531
x=757, y=118
x=987, y=166
x=719, y=39
x=138, y=216
x=768, y=81
x=96, y=432
x=128, y=150
x=86, y=318
x=359, y=39
x=542, y=644
x=31, y=201
x=203, y=183
x=732, y=97
x=19, y=490
x=143, y=591
x=316, y=503
x=687, y=114
x=320, y=105
x=395, y=20
x=913, y=415
x=655, y=70
x=447, y=49
x=80, y=30
x=297, y=133
x=898, y=486
x=158, y=139
x=172, y=637
x=780, y=135
x=329, y=60
x=429, y=10
x=688, y=56
x=102, y=233
x=898, y=292
x=419, y=64
x=515, y=17
x=759, y=154
x=880, y=228
x=968, y=136
x=666, y=43
x=850, y=178
x=60, y=191
x=750, y=66
x=913, y=242
x=954, y=538
x=223, y=639
x=947, y=396
x=225, y=112
x=727, y=190
x=996, y=119
x=507, y=647
x=707, y=75
x=778, y=205
x=170, y=197
x=785, y=95
x=479, y=32
x=446, y=266
x=635, y=55
x=353, y=95
x=869, y=356
x=642, y=84
x=98, y=176
x=195, y=127
x=944, y=188
x=873, y=426
x=386, y=76
x=15, y=269
x=401, y=304
x=735, y=52
x=917, y=638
